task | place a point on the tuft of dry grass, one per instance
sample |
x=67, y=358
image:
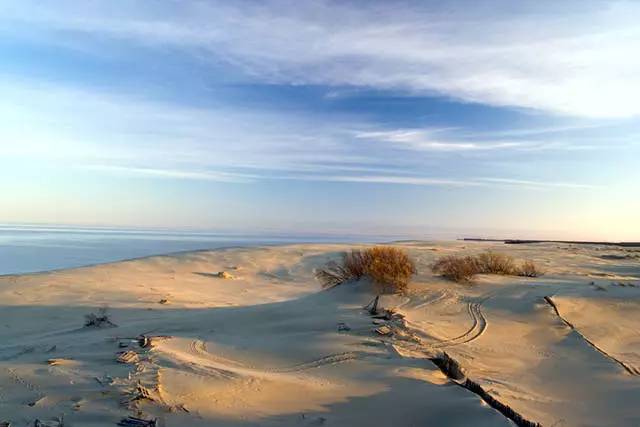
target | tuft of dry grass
x=490, y=262
x=389, y=267
x=529, y=269
x=353, y=267
x=464, y=268
x=457, y=268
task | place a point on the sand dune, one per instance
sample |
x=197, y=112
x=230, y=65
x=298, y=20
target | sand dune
x=268, y=347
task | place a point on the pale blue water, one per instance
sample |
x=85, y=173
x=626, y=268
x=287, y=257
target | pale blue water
x=26, y=249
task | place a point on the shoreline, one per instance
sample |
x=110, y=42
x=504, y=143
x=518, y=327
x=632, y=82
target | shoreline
x=287, y=244
x=569, y=242
x=185, y=252
x=265, y=344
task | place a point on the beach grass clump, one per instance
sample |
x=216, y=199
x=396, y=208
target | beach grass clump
x=389, y=267
x=529, y=269
x=352, y=267
x=457, y=268
x=463, y=268
x=490, y=262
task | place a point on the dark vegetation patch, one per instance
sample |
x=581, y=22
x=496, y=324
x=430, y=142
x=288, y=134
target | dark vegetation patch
x=98, y=320
x=620, y=256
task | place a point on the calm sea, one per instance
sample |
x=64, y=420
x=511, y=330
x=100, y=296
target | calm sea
x=26, y=249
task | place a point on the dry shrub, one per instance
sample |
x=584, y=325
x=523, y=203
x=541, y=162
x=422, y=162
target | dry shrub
x=457, y=268
x=389, y=267
x=529, y=269
x=353, y=267
x=464, y=268
x=356, y=262
x=98, y=320
x=490, y=262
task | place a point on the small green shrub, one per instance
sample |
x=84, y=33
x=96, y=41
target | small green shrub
x=389, y=267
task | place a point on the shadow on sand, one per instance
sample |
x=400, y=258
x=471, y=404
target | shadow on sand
x=291, y=335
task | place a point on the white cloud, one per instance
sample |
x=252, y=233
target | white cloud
x=470, y=182
x=428, y=140
x=410, y=180
x=204, y=175
x=118, y=134
x=539, y=184
x=58, y=122
x=176, y=174
x=567, y=58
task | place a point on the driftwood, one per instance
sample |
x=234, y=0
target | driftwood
x=140, y=392
x=101, y=381
x=137, y=422
x=384, y=330
x=144, y=341
x=372, y=307
x=389, y=315
x=343, y=327
x=56, y=422
x=54, y=362
x=128, y=357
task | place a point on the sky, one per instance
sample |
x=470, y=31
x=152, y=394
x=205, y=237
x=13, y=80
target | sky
x=488, y=118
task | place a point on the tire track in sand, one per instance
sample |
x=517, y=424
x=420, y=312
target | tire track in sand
x=433, y=299
x=199, y=348
x=478, y=327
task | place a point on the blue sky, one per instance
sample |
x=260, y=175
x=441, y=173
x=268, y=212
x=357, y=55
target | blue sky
x=491, y=118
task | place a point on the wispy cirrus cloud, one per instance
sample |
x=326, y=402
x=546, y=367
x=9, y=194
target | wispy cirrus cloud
x=212, y=175
x=582, y=64
x=197, y=175
x=107, y=133
x=540, y=184
x=430, y=140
